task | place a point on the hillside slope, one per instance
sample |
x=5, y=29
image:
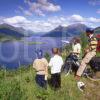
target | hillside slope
x=97, y=30
x=10, y=32
x=20, y=85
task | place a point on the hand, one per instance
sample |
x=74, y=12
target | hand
x=46, y=77
x=86, y=51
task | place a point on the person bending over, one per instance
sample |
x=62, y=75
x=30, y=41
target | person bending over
x=90, y=52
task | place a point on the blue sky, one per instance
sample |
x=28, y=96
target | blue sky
x=44, y=15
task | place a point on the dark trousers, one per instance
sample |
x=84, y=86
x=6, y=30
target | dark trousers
x=55, y=80
x=40, y=80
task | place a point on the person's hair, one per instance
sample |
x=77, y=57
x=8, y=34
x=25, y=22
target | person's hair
x=77, y=40
x=55, y=50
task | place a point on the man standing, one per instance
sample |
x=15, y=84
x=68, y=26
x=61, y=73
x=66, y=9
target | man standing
x=90, y=52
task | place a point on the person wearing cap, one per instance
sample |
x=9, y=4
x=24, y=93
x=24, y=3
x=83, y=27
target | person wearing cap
x=90, y=52
x=40, y=64
x=55, y=64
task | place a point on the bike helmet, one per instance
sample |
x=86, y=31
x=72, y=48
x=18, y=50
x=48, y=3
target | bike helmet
x=39, y=54
x=90, y=30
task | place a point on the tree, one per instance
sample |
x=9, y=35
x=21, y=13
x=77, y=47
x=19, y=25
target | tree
x=84, y=40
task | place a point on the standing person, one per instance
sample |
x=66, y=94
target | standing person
x=41, y=66
x=56, y=63
x=90, y=52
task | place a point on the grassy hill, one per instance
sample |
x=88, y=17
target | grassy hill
x=97, y=30
x=4, y=38
x=8, y=32
x=20, y=85
x=11, y=31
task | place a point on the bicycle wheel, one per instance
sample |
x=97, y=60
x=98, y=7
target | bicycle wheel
x=93, y=79
x=68, y=68
x=91, y=76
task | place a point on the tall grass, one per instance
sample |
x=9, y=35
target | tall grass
x=20, y=85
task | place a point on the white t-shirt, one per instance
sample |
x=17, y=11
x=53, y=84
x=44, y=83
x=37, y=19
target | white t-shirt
x=56, y=63
x=77, y=48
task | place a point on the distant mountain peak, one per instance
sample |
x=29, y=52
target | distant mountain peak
x=7, y=30
x=6, y=25
x=59, y=28
x=71, y=30
x=77, y=25
x=18, y=30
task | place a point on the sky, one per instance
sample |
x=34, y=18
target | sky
x=45, y=15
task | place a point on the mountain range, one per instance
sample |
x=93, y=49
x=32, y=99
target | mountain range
x=71, y=30
x=10, y=32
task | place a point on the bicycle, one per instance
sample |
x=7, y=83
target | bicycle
x=72, y=63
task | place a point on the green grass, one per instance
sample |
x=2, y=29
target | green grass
x=32, y=43
x=20, y=85
x=6, y=38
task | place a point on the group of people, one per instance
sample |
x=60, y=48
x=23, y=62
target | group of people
x=56, y=62
x=41, y=66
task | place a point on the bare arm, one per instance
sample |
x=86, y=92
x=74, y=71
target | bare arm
x=46, y=69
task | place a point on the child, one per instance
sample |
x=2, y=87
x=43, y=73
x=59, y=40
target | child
x=56, y=63
x=41, y=66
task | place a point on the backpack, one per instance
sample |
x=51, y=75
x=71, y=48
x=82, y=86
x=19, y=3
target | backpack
x=98, y=44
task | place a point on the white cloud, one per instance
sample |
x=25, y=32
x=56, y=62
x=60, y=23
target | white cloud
x=94, y=20
x=40, y=7
x=1, y=20
x=16, y=19
x=39, y=12
x=49, y=23
x=76, y=18
x=36, y=26
x=62, y=19
x=26, y=12
x=50, y=7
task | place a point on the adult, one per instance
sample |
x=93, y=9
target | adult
x=76, y=47
x=90, y=52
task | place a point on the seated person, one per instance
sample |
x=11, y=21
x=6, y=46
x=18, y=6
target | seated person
x=76, y=47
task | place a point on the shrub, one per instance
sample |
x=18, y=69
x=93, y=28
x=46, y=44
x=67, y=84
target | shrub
x=47, y=56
